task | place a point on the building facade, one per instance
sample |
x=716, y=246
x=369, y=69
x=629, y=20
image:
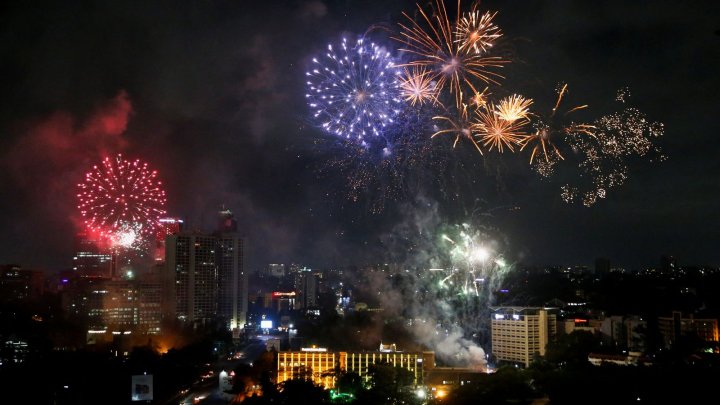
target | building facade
x=674, y=327
x=90, y=259
x=320, y=365
x=520, y=333
x=210, y=283
x=191, y=256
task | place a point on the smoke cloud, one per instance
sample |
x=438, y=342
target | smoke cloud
x=443, y=286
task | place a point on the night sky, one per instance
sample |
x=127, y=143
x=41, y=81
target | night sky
x=211, y=94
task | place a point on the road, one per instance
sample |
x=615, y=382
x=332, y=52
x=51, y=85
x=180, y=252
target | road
x=206, y=390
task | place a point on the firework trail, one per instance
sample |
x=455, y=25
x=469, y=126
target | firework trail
x=459, y=125
x=121, y=201
x=551, y=129
x=354, y=91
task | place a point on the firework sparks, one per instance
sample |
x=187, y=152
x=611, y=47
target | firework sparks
x=473, y=261
x=417, y=86
x=121, y=200
x=514, y=108
x=496, y=132
x=127, y=236
x=602, y=158
x=386, y=168
x=434, y=48
x=354, y=92
x=480, y=99
x=476, y=32
x=460, y=126
x=548, y=128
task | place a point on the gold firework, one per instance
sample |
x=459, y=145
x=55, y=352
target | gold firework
x=513, y=108
x=435, y=49
x=546, y=129
x=461, y=127
x=476, y=32
x=417, y=86
x=480, y=99
x=543, y=143
x=496, y=132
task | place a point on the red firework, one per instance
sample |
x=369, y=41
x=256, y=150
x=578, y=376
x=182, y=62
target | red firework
x=120, y=194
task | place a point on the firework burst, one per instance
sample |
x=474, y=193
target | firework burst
x=475, y=32
x=387, y=168
x=495, y=132
x=618, y=137
x=353, y=91
x=514, y=108
x=121, y=200
x=459, y=126
x=547, y=129
x=600, y=152
x=434, y=43
x=417, y=87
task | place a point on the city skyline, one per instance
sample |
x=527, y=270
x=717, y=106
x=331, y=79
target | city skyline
x=213, y=99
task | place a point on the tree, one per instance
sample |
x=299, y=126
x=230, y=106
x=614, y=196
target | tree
x=302, y=392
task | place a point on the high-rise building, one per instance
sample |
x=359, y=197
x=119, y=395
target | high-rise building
x=114, y=306
x=90, y=259
x=168, y=226
x=210, y=281
x=232, y=281
x=192, y=257
x=519, y=333
x=306, y=287
x=18, y=284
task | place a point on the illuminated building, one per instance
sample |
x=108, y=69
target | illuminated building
x=90, y=260
x=624, y=331
x=232, y=281
x=440, y=381
x=13, y=351
x=113, y=304
x=192, y=258
x=630, y=359
x=675, y=327
x=360, y=363
x=306, y=287
x=209, y=278
x=519, y=333
x=17, y=284
x=168, y=226
x=276, y=270
x=319, y=364
x=314, y=364
x=280, y=301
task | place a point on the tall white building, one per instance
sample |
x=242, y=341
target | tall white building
x=519, y=333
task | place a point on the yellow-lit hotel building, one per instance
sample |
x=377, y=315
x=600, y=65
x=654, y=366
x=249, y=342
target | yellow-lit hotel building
x=320, y=365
